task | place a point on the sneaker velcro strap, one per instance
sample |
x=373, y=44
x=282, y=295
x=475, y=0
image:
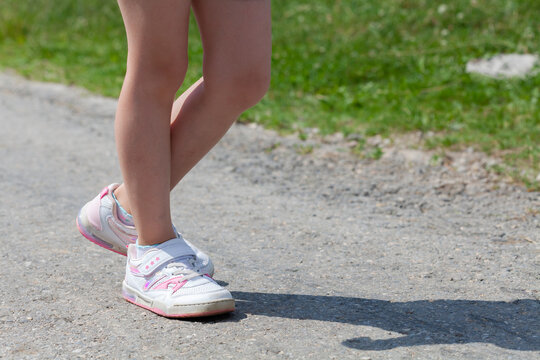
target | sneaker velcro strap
x=156, y=257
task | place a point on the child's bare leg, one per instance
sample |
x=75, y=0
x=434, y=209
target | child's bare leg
x=157, y=60
x=236, y=37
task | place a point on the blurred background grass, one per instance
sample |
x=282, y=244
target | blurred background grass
x=356, y=66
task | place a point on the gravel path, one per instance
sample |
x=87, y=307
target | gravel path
x=328, y=256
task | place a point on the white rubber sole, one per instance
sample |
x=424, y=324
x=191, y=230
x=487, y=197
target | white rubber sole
x=208, y=308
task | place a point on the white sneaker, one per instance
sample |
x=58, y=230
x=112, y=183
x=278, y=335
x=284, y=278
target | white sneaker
x=98, y=221
x=163, y=280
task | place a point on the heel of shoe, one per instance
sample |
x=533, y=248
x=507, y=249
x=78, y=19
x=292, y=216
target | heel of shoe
x=79, y=221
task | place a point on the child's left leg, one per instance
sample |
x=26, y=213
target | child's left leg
x=236, y=40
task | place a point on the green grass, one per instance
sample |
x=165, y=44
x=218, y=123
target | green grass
x=356, y=66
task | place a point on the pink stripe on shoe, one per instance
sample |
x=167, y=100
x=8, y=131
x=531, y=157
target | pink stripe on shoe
x=177, y=281
x=103, y=192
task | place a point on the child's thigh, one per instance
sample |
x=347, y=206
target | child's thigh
x=236, y=36
x=157, y=32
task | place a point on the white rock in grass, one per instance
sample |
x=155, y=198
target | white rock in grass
x=504, y=65
x=442, y=8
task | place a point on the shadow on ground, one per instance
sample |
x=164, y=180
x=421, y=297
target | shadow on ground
x=511, y=325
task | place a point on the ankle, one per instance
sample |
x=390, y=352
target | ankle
x=121, y=197
x=155, y=237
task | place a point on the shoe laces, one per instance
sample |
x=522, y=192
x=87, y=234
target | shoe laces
x=184, y=266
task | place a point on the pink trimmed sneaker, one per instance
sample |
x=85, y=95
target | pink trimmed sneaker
x=98, y=221
x=163, y=280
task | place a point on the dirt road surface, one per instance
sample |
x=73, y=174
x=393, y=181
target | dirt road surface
x=328, y=256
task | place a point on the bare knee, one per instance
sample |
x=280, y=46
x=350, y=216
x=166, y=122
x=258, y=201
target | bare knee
x=240, y=90
x=160, y=76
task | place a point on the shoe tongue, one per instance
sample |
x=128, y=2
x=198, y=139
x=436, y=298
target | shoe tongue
x=176, y=247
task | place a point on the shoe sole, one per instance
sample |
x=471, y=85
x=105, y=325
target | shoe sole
x=96, y=240
x=216, y=307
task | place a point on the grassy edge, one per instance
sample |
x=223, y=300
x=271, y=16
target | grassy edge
x=361, y=150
